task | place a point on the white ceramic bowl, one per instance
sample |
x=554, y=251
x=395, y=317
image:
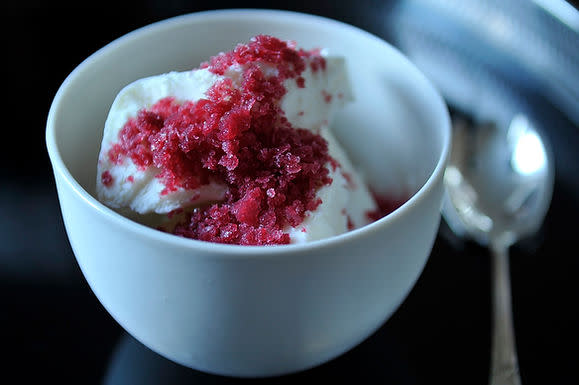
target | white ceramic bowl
x=255, y=311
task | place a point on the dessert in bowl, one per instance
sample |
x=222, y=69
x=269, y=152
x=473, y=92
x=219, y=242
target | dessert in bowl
x=255, y=311
x=239, y=151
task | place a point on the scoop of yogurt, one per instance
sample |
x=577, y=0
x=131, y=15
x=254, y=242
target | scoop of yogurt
x=242, y=98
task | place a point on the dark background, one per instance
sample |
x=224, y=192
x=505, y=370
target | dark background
x=53, y=330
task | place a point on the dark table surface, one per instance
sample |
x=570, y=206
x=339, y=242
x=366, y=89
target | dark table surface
x=53, y=329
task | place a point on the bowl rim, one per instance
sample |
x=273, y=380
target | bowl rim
x=170, y=240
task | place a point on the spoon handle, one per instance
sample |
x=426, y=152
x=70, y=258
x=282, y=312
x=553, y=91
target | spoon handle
x=504, y=364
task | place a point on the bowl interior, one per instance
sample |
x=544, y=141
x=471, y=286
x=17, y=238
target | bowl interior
x=393, y=130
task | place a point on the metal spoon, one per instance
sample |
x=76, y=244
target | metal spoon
x=499, y=183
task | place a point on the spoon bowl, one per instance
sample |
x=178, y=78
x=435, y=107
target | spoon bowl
x=499, y=183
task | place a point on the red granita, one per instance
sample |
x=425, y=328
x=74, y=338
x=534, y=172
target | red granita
x=107, y=178
x=238, y=136
x=386, y=204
